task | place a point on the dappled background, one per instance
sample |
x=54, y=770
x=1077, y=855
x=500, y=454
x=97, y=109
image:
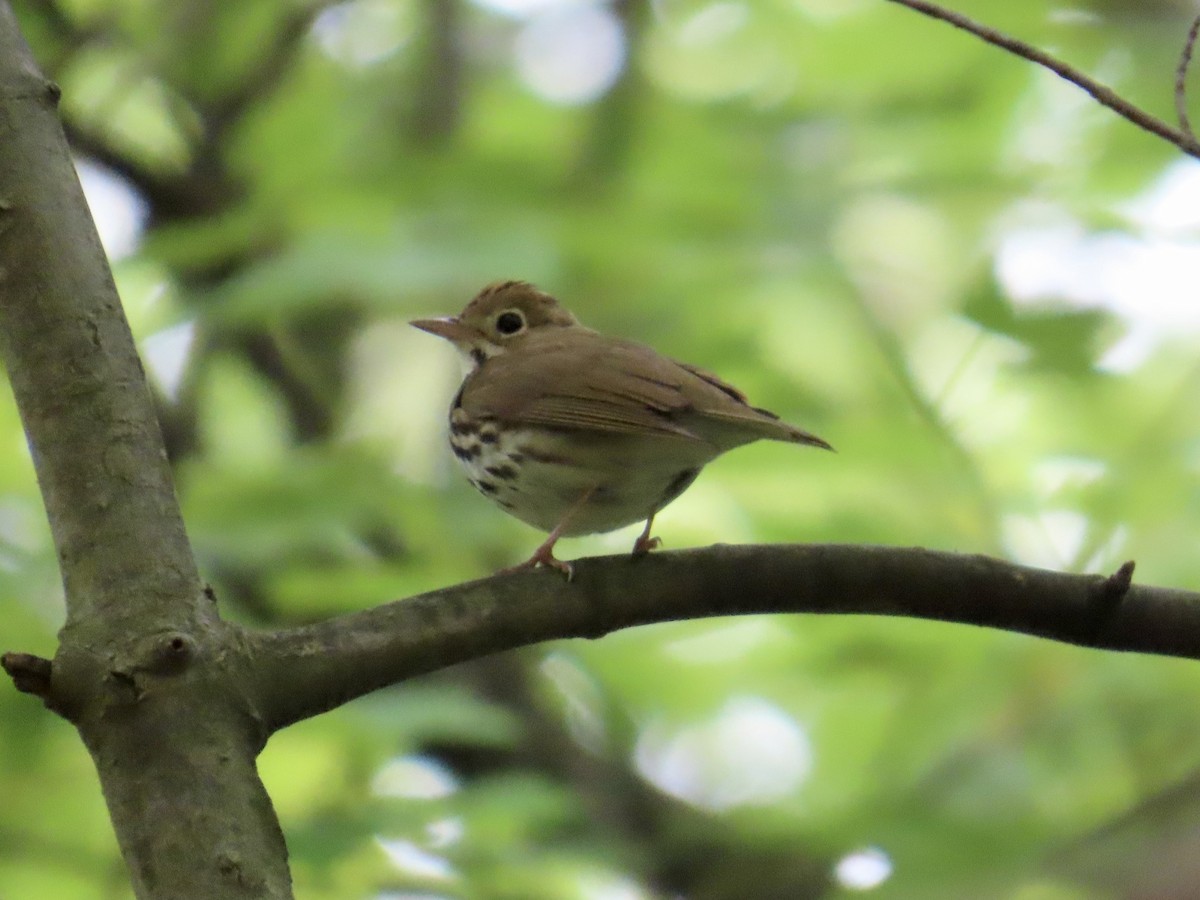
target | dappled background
x=979, y=285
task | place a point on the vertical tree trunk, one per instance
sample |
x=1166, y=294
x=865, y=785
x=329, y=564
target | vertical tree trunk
x=145, y=669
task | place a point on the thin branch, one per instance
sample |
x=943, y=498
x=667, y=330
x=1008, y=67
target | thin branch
x=1103, y=94
x=303, y=671
x=1185, y=60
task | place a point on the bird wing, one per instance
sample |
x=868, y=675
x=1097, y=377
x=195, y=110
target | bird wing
x=583, y=380
x=577, y=381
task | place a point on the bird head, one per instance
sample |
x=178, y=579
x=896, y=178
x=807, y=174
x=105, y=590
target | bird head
x=499, y=316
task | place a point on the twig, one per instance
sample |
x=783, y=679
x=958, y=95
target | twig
x=1117, y=585
x=1103, y=94
x=1107, y=595
x=1185, y=60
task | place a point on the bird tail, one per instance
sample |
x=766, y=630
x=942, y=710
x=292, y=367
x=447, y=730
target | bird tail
x=800, y=436
x=794, y=434
x=754, y=423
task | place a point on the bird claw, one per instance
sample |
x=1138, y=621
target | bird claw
x=542, y=556
x=644, y=544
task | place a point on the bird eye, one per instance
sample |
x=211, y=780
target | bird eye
x=510, y=322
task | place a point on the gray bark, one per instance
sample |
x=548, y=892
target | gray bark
x=144, y=667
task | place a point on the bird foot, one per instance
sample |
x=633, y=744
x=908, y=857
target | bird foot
x=644, y=544
x=542, y=556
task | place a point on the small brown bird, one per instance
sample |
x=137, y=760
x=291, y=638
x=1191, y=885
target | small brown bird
x=576, y=433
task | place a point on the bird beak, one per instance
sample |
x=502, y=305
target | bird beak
x=449, y=328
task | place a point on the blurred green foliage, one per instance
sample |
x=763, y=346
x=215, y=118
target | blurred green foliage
x=968, y=276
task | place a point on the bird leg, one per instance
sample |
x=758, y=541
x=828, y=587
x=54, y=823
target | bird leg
x=644, y=543
x=544, y=554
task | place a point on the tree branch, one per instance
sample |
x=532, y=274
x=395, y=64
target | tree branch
x=301, y=672
x=74, y=370
x=1181, y=73
x=144, y=670
x=1103, y=94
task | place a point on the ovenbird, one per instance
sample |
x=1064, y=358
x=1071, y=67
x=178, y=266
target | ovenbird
x=575, y=432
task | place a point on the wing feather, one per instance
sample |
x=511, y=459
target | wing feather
x=579, y=379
